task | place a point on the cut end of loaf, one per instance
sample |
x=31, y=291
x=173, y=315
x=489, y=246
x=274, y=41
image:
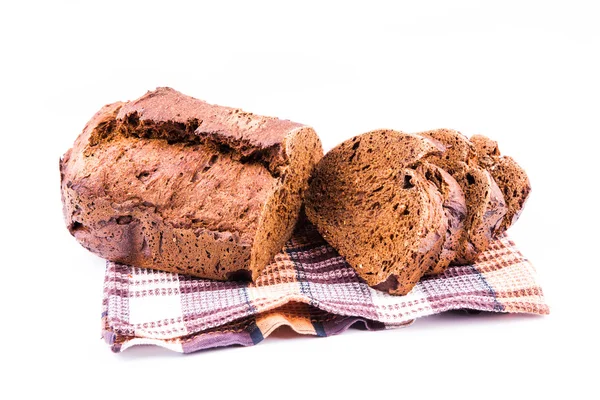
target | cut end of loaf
x=280, y=213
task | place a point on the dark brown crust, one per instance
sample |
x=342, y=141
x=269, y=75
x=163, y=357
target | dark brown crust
x=146, y=191
x=377, y=211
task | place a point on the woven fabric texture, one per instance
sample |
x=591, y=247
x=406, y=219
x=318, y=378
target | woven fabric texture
x=308, y=287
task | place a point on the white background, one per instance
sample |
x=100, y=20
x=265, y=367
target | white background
x=524, y=73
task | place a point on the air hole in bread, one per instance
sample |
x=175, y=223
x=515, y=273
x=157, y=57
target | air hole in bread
x=124, y=219
x=470, y=179
x=210, y=163
x=244, y=212
x=76, y=226
x=407, y=184
x=133, y=119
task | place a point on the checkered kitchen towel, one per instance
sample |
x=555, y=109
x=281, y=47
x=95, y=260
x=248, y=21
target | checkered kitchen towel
x=308, y=287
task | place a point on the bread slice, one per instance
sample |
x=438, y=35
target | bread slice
x=455, y=209
x=485, y=203
x=508, y=174
x=372, y=204
x=173, y=183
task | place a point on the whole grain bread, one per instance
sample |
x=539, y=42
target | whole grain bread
x=485, y=202
x=372, y=203
x=508, y=174
x=170, y=182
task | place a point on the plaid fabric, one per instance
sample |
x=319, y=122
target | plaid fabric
x=308, y=287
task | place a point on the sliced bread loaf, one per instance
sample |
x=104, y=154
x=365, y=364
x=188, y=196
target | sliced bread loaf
x=173, y=183
x=485, y=203
x=508, y=174
x=371, y=202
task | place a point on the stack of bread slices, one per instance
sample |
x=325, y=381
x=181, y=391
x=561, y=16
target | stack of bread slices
x=399, y=206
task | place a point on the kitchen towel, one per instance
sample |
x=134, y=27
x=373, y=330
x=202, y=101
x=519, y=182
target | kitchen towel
x=308, y=287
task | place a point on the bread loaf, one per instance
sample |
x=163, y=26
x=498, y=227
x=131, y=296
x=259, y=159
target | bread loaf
x=371, y=201
x=173, y=183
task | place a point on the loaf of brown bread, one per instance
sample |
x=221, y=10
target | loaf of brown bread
x=510, y=177
x=486, y=207
x=173, y=183
x=374, y=202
